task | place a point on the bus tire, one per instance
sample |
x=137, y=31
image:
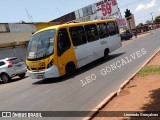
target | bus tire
x=70, y=69
x=106, y=53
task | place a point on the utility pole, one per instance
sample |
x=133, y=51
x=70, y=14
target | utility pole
x=152, y=16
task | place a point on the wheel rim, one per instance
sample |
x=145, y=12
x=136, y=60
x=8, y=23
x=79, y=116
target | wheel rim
x=4, y=78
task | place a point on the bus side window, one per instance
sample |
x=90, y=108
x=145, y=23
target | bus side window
x=102, y=30
x=112, y=28
x=117, y=28
x=91, y=32
x=63, y=41
x=78, y=35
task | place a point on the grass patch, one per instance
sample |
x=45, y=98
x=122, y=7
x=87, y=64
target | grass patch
x=149, y=70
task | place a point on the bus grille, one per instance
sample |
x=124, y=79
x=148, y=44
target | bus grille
x=38, y=69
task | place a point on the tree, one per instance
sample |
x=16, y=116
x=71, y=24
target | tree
x=157, y=19
x=140, y=24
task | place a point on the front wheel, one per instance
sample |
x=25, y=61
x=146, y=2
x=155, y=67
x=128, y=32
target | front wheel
x=70, y=69
x=5, y=78
x=22, y=75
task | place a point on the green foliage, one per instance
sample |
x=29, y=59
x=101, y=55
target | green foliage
x=157, y=19
x=149, y=70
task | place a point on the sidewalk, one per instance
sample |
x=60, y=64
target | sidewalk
x=141, y=94
x=138, y=36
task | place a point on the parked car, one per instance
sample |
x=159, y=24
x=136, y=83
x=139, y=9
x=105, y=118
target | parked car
x=126, y=35
x=11, y=67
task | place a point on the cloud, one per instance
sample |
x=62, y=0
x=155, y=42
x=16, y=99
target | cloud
x=146, y=6
x=140, y=7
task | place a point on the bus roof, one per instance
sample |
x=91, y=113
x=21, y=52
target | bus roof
x=75, y=24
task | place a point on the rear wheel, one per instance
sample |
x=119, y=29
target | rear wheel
x=70, y=69
x=106, y=53
x=5, y=78
x=22, y=75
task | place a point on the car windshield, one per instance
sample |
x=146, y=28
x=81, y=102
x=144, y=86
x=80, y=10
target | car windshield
x=41, y=44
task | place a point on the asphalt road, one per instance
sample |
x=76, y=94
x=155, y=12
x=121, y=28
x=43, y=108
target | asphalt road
x=69, y=94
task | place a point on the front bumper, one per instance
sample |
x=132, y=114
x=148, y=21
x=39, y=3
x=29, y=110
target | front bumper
x=51, y=72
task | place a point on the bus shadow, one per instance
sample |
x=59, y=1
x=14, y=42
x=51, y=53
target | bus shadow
x=80, y=70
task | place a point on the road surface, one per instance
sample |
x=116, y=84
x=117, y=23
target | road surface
x=73, y=94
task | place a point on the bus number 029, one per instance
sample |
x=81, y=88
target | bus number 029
x=88, y=79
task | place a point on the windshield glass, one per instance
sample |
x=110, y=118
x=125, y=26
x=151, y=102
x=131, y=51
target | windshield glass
x=41, y=44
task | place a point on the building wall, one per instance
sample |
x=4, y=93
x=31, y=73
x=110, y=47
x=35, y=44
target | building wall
x=18, y=27
x=3, y=27
x=9, y=37
x=15, y=32
x=132, y=23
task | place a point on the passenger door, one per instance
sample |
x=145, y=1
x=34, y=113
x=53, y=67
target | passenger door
x=64, y=50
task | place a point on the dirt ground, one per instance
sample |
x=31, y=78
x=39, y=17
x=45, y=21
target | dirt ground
x=141, y=94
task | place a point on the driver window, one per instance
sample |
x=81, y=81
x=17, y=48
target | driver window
x=63, y=41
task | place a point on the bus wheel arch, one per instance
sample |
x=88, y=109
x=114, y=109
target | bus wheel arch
x=70, y=68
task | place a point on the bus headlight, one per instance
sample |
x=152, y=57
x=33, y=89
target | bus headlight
x=50, y=64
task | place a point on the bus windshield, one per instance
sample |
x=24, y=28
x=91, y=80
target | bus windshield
x=41, y=44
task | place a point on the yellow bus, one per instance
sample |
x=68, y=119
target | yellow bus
x=59, y=50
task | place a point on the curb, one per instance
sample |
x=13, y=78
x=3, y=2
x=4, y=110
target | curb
x=114, y=94
x=100, y=106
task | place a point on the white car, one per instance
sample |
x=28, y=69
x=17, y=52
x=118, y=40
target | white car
x=11, y=67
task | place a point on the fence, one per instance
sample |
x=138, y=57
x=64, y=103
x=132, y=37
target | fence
x=17, y=51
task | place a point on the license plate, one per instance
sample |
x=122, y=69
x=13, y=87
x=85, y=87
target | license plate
x=40, y=76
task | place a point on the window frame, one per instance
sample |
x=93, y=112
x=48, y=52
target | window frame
x=61, y=51
x=86, y=32
x=117, y=27
x=115, y=30
x=98, y=28
x=83, y=35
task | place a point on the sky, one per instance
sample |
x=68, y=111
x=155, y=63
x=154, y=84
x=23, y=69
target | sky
x=46, y=10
